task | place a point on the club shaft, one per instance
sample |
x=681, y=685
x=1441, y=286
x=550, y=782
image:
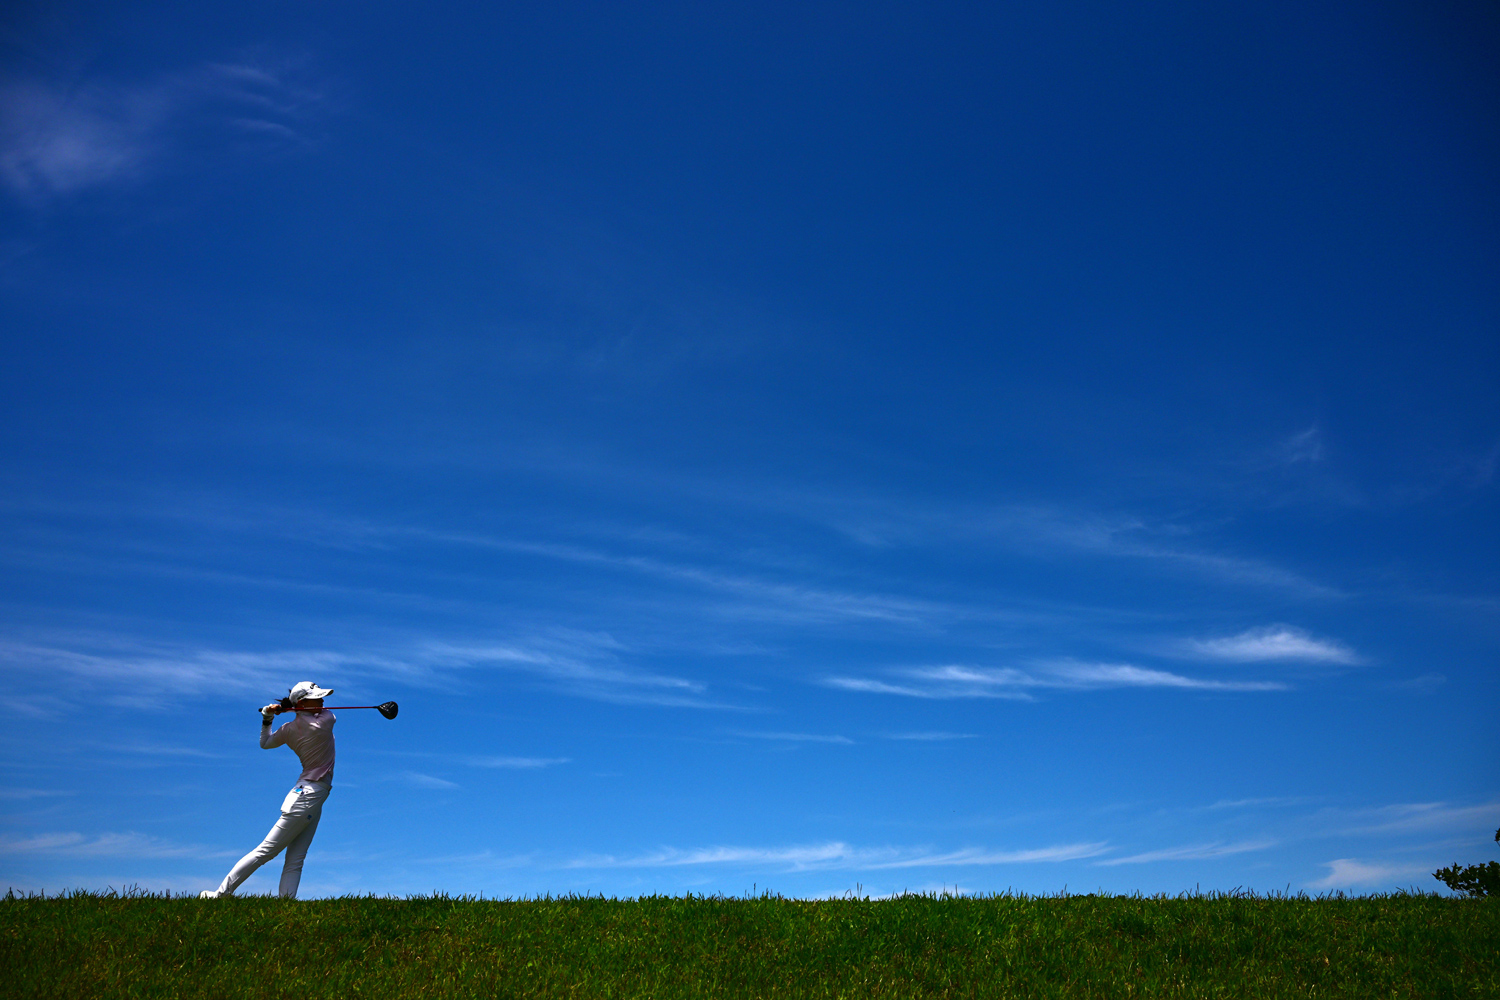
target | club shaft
x=387, y=709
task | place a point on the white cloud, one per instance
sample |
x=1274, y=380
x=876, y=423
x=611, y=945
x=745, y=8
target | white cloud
x=486, y=761
x=1349, y=873
x=1274, y=800
x=585, y=666
x=1195, y=852
x=881, y=687
x=152, y=674
x=58, y=138
x=1304, y=446
x=764, y=599
x=1427, y=816
x=1113, y=675
x=520, y=763
x=112, y=845
x=932, y=736
x=162, y=750
x=956, y=681
x=838, y=855
x=794, y=858
x=1273, y=642
x=481, y=859
x=980, y=856
x=1422, y=682
x=419, y=780
x=796, y=737
x=1131, y=537
x=33, y=793
x=56, y=141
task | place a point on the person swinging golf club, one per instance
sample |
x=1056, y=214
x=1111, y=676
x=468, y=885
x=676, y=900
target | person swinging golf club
x=310, y=734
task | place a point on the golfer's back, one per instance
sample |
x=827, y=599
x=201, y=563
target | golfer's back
x=310, y=735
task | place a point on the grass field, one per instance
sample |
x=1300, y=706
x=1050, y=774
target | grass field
x=89, y=945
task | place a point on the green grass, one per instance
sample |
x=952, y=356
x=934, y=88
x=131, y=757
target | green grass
x=90, y=945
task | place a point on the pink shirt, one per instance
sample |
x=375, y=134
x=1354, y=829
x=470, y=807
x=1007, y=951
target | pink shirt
x=311, y=735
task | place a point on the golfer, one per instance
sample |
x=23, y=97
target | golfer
x=310, y=733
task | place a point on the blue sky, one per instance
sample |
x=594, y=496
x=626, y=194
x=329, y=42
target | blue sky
x=814, y=447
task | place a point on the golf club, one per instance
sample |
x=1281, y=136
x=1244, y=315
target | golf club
x=387, y=709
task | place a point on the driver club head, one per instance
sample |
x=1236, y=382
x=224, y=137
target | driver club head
x=389, y=709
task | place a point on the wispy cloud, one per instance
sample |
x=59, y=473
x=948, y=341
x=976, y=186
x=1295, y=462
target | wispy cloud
x=582, y=665
x=1049, y=529
x=1273, y=800
x=1093, y=676
x=767, y=599
x=156, y=673
x=932, y=737
x=112, y=845
x=161, y=750
x=485, y=859
x=871, y=686
x=1305, y=446
x=796, y=737
x=34, y=793
x=483, y=761
x=1232, y=569
x=1029, y=529
x=838, y=855
x=419, y=780
x=1350, y=873
x=585, y=666
x=1424, y=816
x=1271, y=643
x=982, y=856
x=61, y=137
x=957, y=681
x=1194, y=852
x=1422, y=682
x=516, y=763
x=55, y=141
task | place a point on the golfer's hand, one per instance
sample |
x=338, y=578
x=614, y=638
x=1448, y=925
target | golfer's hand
x=270, y=711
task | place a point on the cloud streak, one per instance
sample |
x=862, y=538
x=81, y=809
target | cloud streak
x=1040, y=528
x=104, y=845
x=152, y=674
x=25, y=794
x=772, y=600
x=584, y=666
x=1350, y=873
x=932, y=737
x=796, y=737
x=837, y=855
x=1273, y=643
x=514, y=763
x=56, y=142
x=1195, y=852
x=1426, y=816
x=61, y=138
x=956, y=681
x=581, y=665
x=427, y=781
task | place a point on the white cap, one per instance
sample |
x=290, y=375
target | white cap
x=304, y=690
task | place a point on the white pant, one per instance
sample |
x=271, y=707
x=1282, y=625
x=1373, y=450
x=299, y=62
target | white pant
x=300, y=812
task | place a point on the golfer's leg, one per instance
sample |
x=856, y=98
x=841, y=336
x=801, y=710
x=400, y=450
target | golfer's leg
x=296, y=851
x=285, y=831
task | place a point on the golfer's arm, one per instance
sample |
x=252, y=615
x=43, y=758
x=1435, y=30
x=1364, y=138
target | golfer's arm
x=268, y=739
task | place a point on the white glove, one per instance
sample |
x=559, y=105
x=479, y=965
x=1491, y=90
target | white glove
x=268, y=713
